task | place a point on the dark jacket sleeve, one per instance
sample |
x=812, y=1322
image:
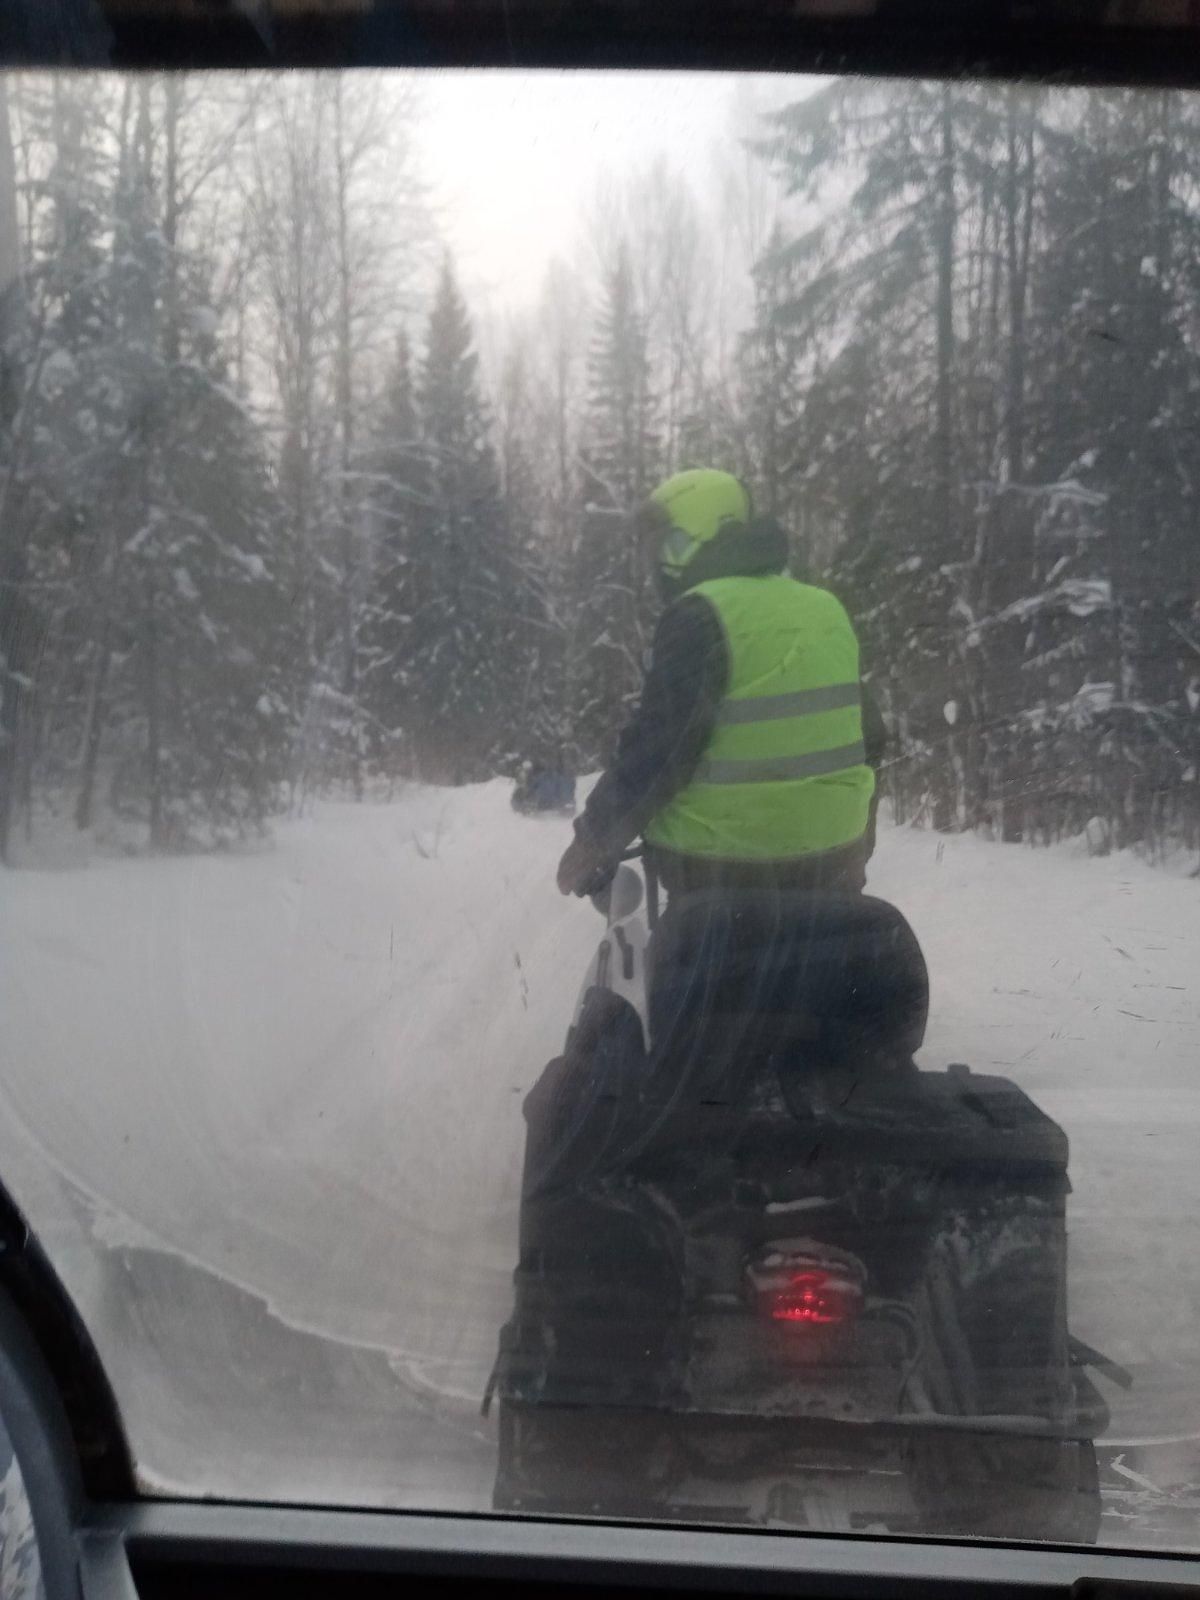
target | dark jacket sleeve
x=661, y=745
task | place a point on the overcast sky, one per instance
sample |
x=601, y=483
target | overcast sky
x=515, y=157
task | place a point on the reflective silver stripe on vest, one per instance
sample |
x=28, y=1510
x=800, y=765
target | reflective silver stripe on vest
x=770, y=707
x=782, y=769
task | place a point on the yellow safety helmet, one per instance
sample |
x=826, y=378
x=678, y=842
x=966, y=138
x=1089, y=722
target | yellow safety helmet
x=691, y=509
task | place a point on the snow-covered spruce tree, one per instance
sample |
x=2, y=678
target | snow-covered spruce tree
x=67, y=476
x=996, y=312
x=872, y=325
x=619, y=461
x=154, y=557
x=221, y=639
x=201, y=589
x=1118, y=377
x=15, y=632
x=533, y=725
x=772, y=382
x=460, y=573
x=397, y=487
x=541, y=418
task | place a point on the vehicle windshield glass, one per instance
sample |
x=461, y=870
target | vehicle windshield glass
x=424, y=493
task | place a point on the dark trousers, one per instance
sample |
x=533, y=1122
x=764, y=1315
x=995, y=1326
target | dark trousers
x=842, y=871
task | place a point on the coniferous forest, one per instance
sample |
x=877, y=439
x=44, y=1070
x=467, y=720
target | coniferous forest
x=283, y=514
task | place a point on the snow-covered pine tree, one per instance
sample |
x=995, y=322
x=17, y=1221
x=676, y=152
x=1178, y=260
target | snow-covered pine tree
x=148, y=506
x=201, y=592
x=398, y=484
x=871, y=316
x=461, y=571
x=910, y=287
x=772, y=385
x=14, y=645
x=555, y=372
x=67, y=472
x=619, y=462
x=996, y=314
x=533, y=726
x=1118, y=378
x=225, y=641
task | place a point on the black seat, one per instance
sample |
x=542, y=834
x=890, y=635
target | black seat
x=806, y=986
x=813, y=981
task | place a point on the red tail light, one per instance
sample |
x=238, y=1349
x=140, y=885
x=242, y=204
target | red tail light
x=791, y=1287
x=813, y=1297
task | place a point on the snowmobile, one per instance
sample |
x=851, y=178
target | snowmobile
x=543, y=790
x=771, y=1272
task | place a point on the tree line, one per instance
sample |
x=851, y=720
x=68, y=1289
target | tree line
x=981, y=375
x=280, y=515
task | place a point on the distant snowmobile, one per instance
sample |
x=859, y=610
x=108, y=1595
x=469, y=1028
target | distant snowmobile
x=539, y=789
x=771, y=1272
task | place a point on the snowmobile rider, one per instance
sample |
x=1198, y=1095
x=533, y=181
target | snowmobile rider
x=749, y=761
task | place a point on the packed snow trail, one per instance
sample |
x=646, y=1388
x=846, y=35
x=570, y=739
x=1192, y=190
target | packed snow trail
x=304, y=1068
x=265, y=1110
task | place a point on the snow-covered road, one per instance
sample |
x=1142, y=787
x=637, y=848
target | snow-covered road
x=298, y=1073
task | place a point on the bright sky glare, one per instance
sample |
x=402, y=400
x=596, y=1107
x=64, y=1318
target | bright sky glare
x=515, y=157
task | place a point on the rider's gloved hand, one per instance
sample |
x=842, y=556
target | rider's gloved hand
x=584, y=869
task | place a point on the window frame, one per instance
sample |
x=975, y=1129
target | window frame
x=54, y=1394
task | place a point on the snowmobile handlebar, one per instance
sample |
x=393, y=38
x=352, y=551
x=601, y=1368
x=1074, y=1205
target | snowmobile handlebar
x=599, y=890
x=603, y=877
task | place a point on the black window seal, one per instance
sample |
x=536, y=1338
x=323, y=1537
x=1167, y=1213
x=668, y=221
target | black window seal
x=1073, y=41
x=571, y=1553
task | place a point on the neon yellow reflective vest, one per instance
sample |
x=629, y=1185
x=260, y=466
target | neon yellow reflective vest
x=784, y=773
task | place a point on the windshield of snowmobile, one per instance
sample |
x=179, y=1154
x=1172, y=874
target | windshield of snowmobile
x=329, y=408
